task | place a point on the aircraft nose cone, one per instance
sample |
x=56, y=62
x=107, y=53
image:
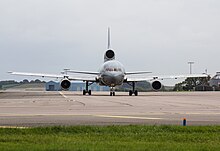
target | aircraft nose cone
x=113, y=80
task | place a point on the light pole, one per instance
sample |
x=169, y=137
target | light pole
x=190, y=66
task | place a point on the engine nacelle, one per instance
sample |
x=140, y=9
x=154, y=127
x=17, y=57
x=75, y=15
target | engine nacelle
x=65, y=84
x=109, y=55
x=156, y=85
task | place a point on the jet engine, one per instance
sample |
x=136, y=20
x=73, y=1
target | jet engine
x=109, y=55
x=65, y=84
x=156, y=85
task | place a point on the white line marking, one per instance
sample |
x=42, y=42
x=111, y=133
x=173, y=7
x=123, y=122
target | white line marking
x=19, y=127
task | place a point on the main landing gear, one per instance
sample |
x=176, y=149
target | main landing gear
x=133, y=91
x=85, y=91
x=112, y=91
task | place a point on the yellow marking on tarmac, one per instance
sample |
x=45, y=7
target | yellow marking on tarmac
x=101, y=115
x=94, y=115
x=61, y=93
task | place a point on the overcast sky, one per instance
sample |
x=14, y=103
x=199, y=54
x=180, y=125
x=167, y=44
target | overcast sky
x=153, y=35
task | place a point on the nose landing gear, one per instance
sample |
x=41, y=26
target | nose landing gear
x=112, y=91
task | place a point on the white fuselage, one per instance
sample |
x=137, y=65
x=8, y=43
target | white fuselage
x=112, y=73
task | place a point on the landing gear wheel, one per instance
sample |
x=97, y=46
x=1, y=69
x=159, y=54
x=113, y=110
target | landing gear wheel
x=130, y=93
x=90, y=92
x=136, y=93
x=133, y=92
x=112, y=91
x=84, y=92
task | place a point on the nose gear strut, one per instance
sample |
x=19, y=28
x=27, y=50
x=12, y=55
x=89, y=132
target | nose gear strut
x=112, y=91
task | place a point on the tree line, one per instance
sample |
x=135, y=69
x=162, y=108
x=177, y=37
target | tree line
x=13, y=82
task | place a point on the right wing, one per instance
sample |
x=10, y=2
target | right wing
x=137, y=72
x=164, y=77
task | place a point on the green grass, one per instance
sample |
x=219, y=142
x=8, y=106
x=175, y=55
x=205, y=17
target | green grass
x=111, y=138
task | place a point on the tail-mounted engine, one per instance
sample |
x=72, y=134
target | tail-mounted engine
x=65, y=84
x=156, y=85
x=109, y=55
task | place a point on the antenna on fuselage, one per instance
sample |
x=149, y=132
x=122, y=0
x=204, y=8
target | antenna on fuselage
x=109, y=38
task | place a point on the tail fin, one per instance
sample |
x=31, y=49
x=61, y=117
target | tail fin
x=109, y=54
x=109, y=38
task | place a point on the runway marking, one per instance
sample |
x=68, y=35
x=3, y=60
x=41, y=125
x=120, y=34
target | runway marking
x=109, y=116
x=19, y=127
x=94, y=115
x=128, y=117
x=121, y=103
x=66, y=97
x=61, y=93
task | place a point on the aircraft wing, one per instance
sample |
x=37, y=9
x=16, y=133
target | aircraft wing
x=152, y=78
x=138, y=72
x=83, y=72
x=57, y=76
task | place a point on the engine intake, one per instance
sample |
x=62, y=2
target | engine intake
x=65, y=84
x=109, y=55
x=156, y=85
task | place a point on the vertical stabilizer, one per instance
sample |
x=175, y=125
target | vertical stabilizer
x=109, y=38
x=109, y=54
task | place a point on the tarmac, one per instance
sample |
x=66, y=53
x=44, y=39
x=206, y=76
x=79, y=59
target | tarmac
x=42, y=108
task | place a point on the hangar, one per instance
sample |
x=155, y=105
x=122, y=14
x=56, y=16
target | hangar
x=75, y=86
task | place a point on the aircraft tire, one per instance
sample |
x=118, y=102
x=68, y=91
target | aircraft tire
x=130, y=93
x=136, y=93
x=90, y=92
x=84, y=92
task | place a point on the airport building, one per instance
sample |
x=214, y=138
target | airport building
x=75, y=86
x=215, y=81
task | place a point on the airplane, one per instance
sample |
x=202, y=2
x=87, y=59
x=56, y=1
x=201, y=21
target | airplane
x=111, y=73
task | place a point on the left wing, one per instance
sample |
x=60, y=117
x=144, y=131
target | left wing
x=37, y=74
x=152, y=78
x=83, y=72
x=57, y=76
